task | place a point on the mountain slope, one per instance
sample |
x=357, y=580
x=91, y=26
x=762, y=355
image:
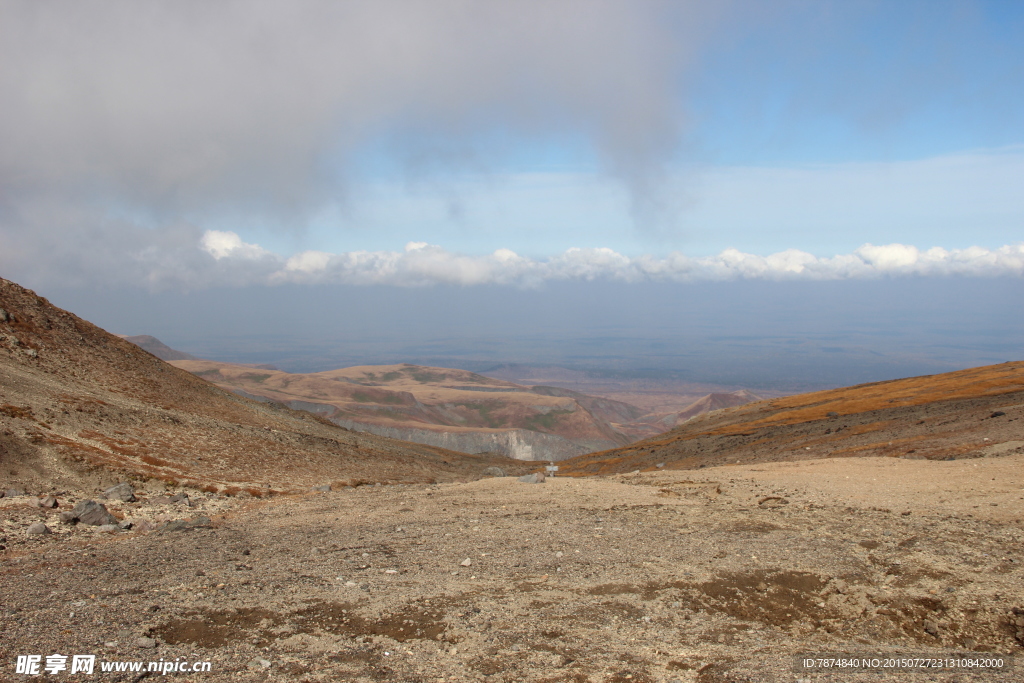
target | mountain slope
x=969, y=413
x=78, y=403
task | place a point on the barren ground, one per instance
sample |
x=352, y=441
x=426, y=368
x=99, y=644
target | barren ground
x=722, y=574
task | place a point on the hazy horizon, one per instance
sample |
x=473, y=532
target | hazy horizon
x=778, y=336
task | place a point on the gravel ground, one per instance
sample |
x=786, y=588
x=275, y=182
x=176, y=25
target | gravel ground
x=725, y=574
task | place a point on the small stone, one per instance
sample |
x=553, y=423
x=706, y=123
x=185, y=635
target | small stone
x=493, y=472
x=145, y=643
x=323, y=488
x=38, y=529
x=107, y=528
x=931, y=628
x=123, y=492
x=997, y=413
x=126, y=524
x=535, y=478
x=350, y=584
x=466, y=562
x=143, y=525
x=13, y=493
x=260, y=663
x=47, y=502
x=559, y=554
x=160, y=500
x=181, y=498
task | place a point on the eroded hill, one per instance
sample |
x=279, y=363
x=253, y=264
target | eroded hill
x=457, y=409
x=79, y=405
x=445, y=407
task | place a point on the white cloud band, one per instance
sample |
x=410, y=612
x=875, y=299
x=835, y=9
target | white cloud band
x=422, y=264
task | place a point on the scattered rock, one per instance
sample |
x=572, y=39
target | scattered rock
x=47, y=502
x=123, y=492
x=38, y=529
x=493, y=472
x=535, y=478
x=145, y=643
x=88, y=512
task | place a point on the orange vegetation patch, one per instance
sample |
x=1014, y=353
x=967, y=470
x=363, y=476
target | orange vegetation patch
x=972, y=383
x=24, y=413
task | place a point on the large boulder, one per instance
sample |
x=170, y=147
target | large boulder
x=89, y=512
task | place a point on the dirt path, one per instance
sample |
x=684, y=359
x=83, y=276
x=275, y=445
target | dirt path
x=718, y=575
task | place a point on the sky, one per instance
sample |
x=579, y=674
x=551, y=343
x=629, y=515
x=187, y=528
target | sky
x=236, y=151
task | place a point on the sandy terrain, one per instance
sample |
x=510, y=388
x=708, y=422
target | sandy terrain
x=712, y=576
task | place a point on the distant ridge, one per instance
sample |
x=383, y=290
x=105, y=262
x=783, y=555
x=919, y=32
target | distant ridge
x=716, y=401
x=157, y=347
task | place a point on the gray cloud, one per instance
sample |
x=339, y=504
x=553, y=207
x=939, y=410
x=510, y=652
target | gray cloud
x=183, y=107
x=123, y=125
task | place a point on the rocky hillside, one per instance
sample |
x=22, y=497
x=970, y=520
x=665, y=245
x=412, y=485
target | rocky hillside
x=964, y=414
x=82, y=407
